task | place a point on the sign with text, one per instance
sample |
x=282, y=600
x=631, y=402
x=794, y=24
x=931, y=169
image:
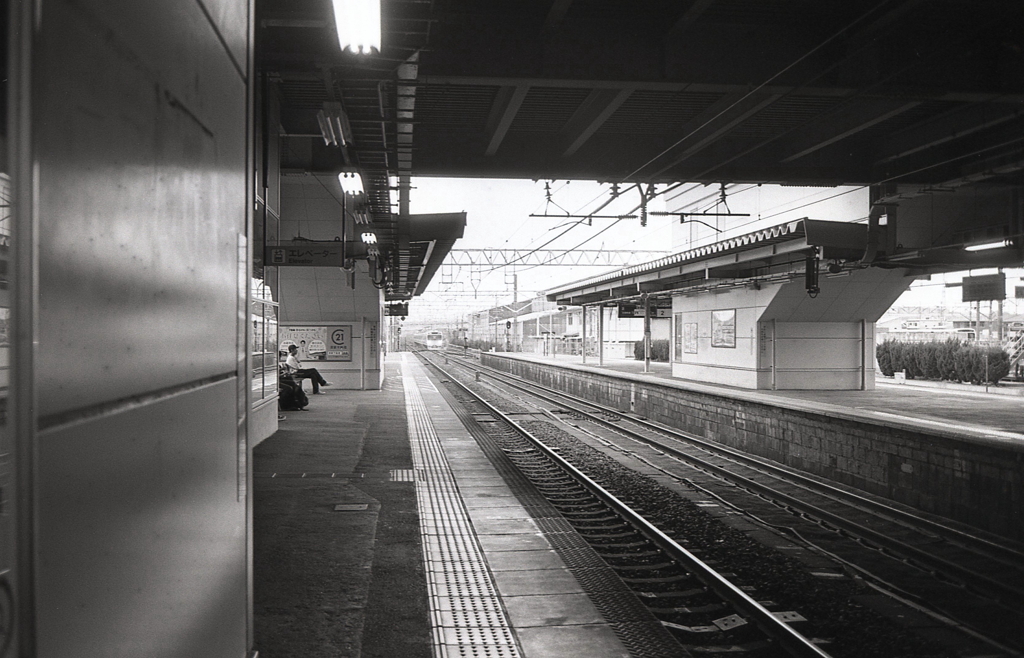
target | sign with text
x=984, y=288
x=319, y=342
x=660, y=308
x=306, y=254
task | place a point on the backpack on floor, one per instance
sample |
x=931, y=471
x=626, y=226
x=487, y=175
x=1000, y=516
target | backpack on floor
x=291, y=397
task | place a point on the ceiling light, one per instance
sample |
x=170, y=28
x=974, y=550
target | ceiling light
x=351, y=182
x=334, y=125
x=358, y=23
x=987, y=245
x=369, y=238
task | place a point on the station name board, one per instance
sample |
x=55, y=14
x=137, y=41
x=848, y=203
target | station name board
x=660, y=308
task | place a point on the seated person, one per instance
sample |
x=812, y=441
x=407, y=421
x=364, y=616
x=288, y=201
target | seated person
x=296, y=370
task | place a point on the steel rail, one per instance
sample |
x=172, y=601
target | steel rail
x=1003, y=591
x=786, y=636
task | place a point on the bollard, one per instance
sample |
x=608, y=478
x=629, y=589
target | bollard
x=477, y=376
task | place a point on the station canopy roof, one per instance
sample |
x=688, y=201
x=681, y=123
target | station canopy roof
x=797, y=92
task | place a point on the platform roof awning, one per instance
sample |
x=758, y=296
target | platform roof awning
x=426, y=241
x=769, y=254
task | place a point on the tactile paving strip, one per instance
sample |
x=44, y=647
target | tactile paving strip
x=468, y=619
x=641, y=633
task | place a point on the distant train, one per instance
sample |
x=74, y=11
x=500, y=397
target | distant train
x=430, y=340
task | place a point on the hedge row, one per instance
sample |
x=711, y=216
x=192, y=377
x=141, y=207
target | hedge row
x=482, y=345
x=949, y=359
x=659, y=350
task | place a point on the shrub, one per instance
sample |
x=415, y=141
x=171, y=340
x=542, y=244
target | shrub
x=883, y=353
x=998, y=364
x=945, y=356
x=963, y=362
x=659, y=350
x=950, y=360
x=928, y=360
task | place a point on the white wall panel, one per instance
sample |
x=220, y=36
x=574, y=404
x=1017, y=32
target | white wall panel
x=141, y=546
x=140, y=145
x=820, y=353
x=231, y=20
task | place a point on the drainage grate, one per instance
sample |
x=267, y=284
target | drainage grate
x=402, y=475
x=467, y=614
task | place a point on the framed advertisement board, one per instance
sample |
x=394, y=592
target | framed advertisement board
x=690, y=338
x=723, y=328
x=318, y=342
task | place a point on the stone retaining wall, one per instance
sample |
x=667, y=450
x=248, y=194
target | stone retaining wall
x=980, y=483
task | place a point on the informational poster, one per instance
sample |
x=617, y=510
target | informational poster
x=339, y=347
x=319, y=342
x=690, y=338
x=723, y=328
x=371, y=343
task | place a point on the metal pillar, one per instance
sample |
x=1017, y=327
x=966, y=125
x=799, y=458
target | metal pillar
x=999, y=326
x=583, y=335
x=863, y=355
x=647, y=332
x=600, y=335
x=775, y=338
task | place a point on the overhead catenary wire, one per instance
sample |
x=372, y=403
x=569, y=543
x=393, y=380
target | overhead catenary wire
x=796, y=62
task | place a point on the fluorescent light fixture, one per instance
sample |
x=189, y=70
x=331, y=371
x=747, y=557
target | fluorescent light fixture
x=987, y=245
x=334, y=125
x=369, y=238
x=358, y=23
x=351, y=182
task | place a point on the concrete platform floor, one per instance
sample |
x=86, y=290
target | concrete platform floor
x=346, y=582
x=429, y=553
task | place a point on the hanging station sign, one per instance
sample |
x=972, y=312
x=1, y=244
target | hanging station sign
x=660, y=308
x=984, y=288
x=308, y=254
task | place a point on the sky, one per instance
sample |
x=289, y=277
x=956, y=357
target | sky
x=498, y=217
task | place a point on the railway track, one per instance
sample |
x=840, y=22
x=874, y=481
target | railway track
x=968, y=584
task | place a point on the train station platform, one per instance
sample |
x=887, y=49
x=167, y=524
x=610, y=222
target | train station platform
x=965, y=409
x=382, y=529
